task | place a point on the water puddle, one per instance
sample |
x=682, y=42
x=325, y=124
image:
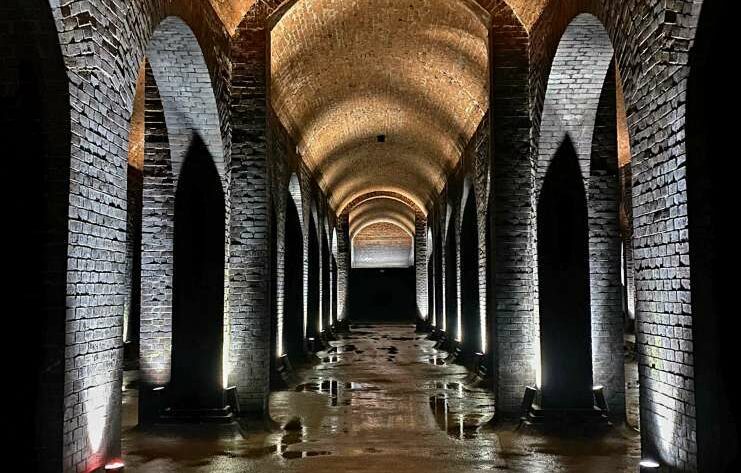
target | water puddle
x=461, y=412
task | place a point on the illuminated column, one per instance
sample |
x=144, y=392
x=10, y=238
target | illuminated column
x=420, y=264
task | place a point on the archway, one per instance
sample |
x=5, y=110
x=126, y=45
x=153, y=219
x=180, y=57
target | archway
x=175, y=141
x=710, y=228
x=198, y=284
x=314, y=280
x=451, y=283
x=470, y=308
x=581, y=114
x=35, y=123
x=293, y=313
x=563, y=277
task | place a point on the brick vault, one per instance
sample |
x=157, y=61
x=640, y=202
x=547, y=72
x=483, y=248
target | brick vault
x=214, y=190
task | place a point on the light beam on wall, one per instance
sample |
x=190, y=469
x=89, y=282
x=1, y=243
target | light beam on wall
x=97, y=400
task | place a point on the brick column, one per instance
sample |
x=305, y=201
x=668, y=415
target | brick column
x=510, y=210
x=420, y=264
x=248, y=300
x=343, y=266
x=158, y=215
x=608, y=357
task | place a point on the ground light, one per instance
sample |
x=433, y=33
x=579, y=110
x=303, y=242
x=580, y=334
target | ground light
x=116, y=465
x=599, y=397
x=648, y=466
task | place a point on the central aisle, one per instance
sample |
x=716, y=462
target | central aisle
x=381, y=400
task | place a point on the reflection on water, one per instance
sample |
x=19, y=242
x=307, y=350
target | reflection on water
x=383, y=401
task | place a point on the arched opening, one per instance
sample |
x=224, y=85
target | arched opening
x=711, y=226
x=35, y=123
x=176, y=218
x=198, y=284
x=563, y=277
x=382, y=277
x=325, y=321
x=470, y=311
x=293, y=313
x=451, y=284
x=314, y=280
x=581, y=104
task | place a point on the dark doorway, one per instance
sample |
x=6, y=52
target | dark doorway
x=326, y=291
x=34, y=123
x=198, y=283
x=451, y=284
x=563, y=274
x=312, y=328
x=712, y=226
x=382, y=295
x=293, y=312
x=470, y=277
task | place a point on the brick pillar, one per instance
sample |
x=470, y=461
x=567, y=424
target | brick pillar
x=343, y=266
x=604, y=253
x=511, y=311
x=420, y=264
x=248, y=299
x=158, y=216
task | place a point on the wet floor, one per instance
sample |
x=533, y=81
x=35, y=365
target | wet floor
x=381, y=399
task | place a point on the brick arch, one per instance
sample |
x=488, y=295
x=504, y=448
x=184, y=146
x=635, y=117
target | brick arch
x=643, y=35
x=376, y=134
x=103, y=62
x=581, y=63
x=381, y=194
x=380, y=207
x=176, y=121
x=177, y=64
x=580, y=108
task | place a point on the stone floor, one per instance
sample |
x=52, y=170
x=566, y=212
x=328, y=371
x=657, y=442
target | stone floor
x=382, y=400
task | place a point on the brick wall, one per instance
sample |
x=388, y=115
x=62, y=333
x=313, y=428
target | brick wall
x=651, y=42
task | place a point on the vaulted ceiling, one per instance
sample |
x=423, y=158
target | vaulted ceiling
x=380, y=95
